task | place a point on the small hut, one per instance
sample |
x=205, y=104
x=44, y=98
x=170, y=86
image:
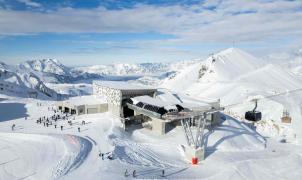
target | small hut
x=286, y=118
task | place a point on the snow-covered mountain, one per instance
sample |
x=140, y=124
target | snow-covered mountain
x=230, y=66
x=34, y=74
x=231, y=75
x=235, y=77
x=126, y=69
x=52, y=66
x=142, y=69
x=52, y=71
x=16, y=82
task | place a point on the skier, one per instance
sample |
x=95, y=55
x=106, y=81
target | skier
x=126, y=173
x=163, y=173
x=102, y=156
x=79, y=129
x=46, y=124
x=55, y=126
x=134, y=173
x=61, y=128
x=13, y=127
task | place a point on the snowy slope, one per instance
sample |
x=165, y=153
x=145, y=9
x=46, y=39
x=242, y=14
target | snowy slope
x=223, y=66
x=233, y=150
x=229, y=64
x=232, y=70
x=235, y=76
x=40, y=156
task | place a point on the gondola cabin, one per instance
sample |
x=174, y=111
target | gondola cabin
x=253, y=115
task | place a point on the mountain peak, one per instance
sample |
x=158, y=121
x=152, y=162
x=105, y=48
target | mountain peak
x=233, y=50
x=46, y=65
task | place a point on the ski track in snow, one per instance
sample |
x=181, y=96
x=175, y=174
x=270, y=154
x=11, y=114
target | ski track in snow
x=140, y=154
x=38, y=156
x=73, y=160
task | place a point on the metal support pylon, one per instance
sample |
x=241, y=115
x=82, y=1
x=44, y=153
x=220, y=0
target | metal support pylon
x=188, y=131
x=194, y=142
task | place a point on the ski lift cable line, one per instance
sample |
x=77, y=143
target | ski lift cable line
x=266, y=97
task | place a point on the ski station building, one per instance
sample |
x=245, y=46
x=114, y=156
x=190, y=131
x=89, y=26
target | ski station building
x=83, y=105
x=139, y=105
x=118, y=94
x=142, y=105
x=148, y=108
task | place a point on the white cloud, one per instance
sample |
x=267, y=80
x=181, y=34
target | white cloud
x=231, y=20
x=30, y=3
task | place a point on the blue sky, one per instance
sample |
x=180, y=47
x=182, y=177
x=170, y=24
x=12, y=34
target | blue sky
x=84, y=32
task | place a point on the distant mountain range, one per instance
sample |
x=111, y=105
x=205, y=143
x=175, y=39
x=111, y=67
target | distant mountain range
x=33, y=75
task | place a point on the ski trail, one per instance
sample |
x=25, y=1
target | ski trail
x=37, y=156
x=130, y=152
x=80, y=149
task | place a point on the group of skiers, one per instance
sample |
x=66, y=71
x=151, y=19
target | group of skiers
x=109, y=155
x=58, y=114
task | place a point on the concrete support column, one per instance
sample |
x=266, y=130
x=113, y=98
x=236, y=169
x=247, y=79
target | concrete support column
x=192, y=152
x=158, y=126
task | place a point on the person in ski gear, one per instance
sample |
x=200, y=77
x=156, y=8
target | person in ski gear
x=134, y=173
x=163, y=173
x=126, y=173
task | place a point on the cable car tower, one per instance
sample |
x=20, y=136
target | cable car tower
x=194, y=137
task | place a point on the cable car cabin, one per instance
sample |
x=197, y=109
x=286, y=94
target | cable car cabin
x=253, y=116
